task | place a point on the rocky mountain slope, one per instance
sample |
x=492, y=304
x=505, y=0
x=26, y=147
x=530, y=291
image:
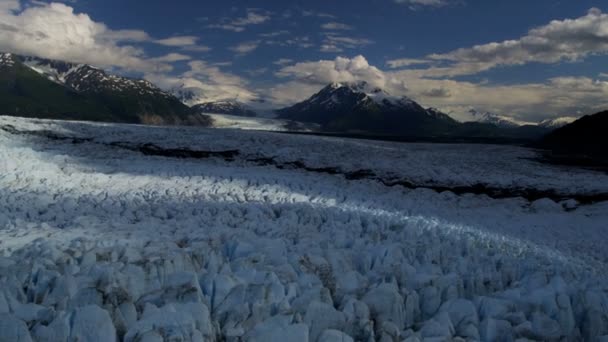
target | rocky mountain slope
x=585, y=137
x=359, y=107
x=35, y=87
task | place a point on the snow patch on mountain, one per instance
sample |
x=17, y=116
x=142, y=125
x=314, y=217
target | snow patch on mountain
x=495, y=119
x=189, y=96
x=375, y=94
x=225, y=107
x=558, y=122
x=55, y=71
x=88, y=78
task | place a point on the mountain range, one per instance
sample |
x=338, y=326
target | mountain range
x=36, y=87
x=356, y=108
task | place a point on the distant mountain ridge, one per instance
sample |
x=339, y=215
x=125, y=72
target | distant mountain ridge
x=224, y=107
x=494, y=119
x=45, y=88
x=37, y=87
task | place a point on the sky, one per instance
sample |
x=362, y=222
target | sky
x=530, y=60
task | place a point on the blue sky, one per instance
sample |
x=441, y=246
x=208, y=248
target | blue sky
x=535, y=59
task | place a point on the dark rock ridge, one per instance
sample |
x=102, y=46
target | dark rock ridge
x=583, y=142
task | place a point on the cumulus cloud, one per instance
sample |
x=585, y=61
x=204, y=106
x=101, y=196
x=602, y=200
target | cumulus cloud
x=55, y=31
x=253, y=17
x=207, y=81
x=308, y=77
x=9, y=5
x=563, y=96
x=340, y=69
x=560, y=40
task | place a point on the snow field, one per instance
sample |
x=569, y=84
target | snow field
x=103, y=244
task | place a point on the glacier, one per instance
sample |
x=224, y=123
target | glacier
x=101, y=242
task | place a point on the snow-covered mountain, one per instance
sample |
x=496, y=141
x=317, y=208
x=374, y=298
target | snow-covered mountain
x=189, y=96
x=495, y=119
x=37, y=87
x=436, y=113
x=224, y=107
x=509, y=122
x=87, y=78
x=360, y=107
x=557, y=122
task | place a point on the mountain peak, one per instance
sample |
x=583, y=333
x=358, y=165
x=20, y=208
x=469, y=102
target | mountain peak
x=362, y=107
x=365, y=90
x=497, y=120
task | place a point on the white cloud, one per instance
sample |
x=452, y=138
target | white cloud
x=208, y=81
x=336, y=26
x=55, y=31
x=253, y=17
x=337, y=43
x=405, y=62
x=283, y=61
x=560, y=40
x=245, y=47
x=178, y=41
x=307, y=78
x=126, y=35
x=564, y=96
x=9, y=5
x=330, y=48
x=172, y=57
